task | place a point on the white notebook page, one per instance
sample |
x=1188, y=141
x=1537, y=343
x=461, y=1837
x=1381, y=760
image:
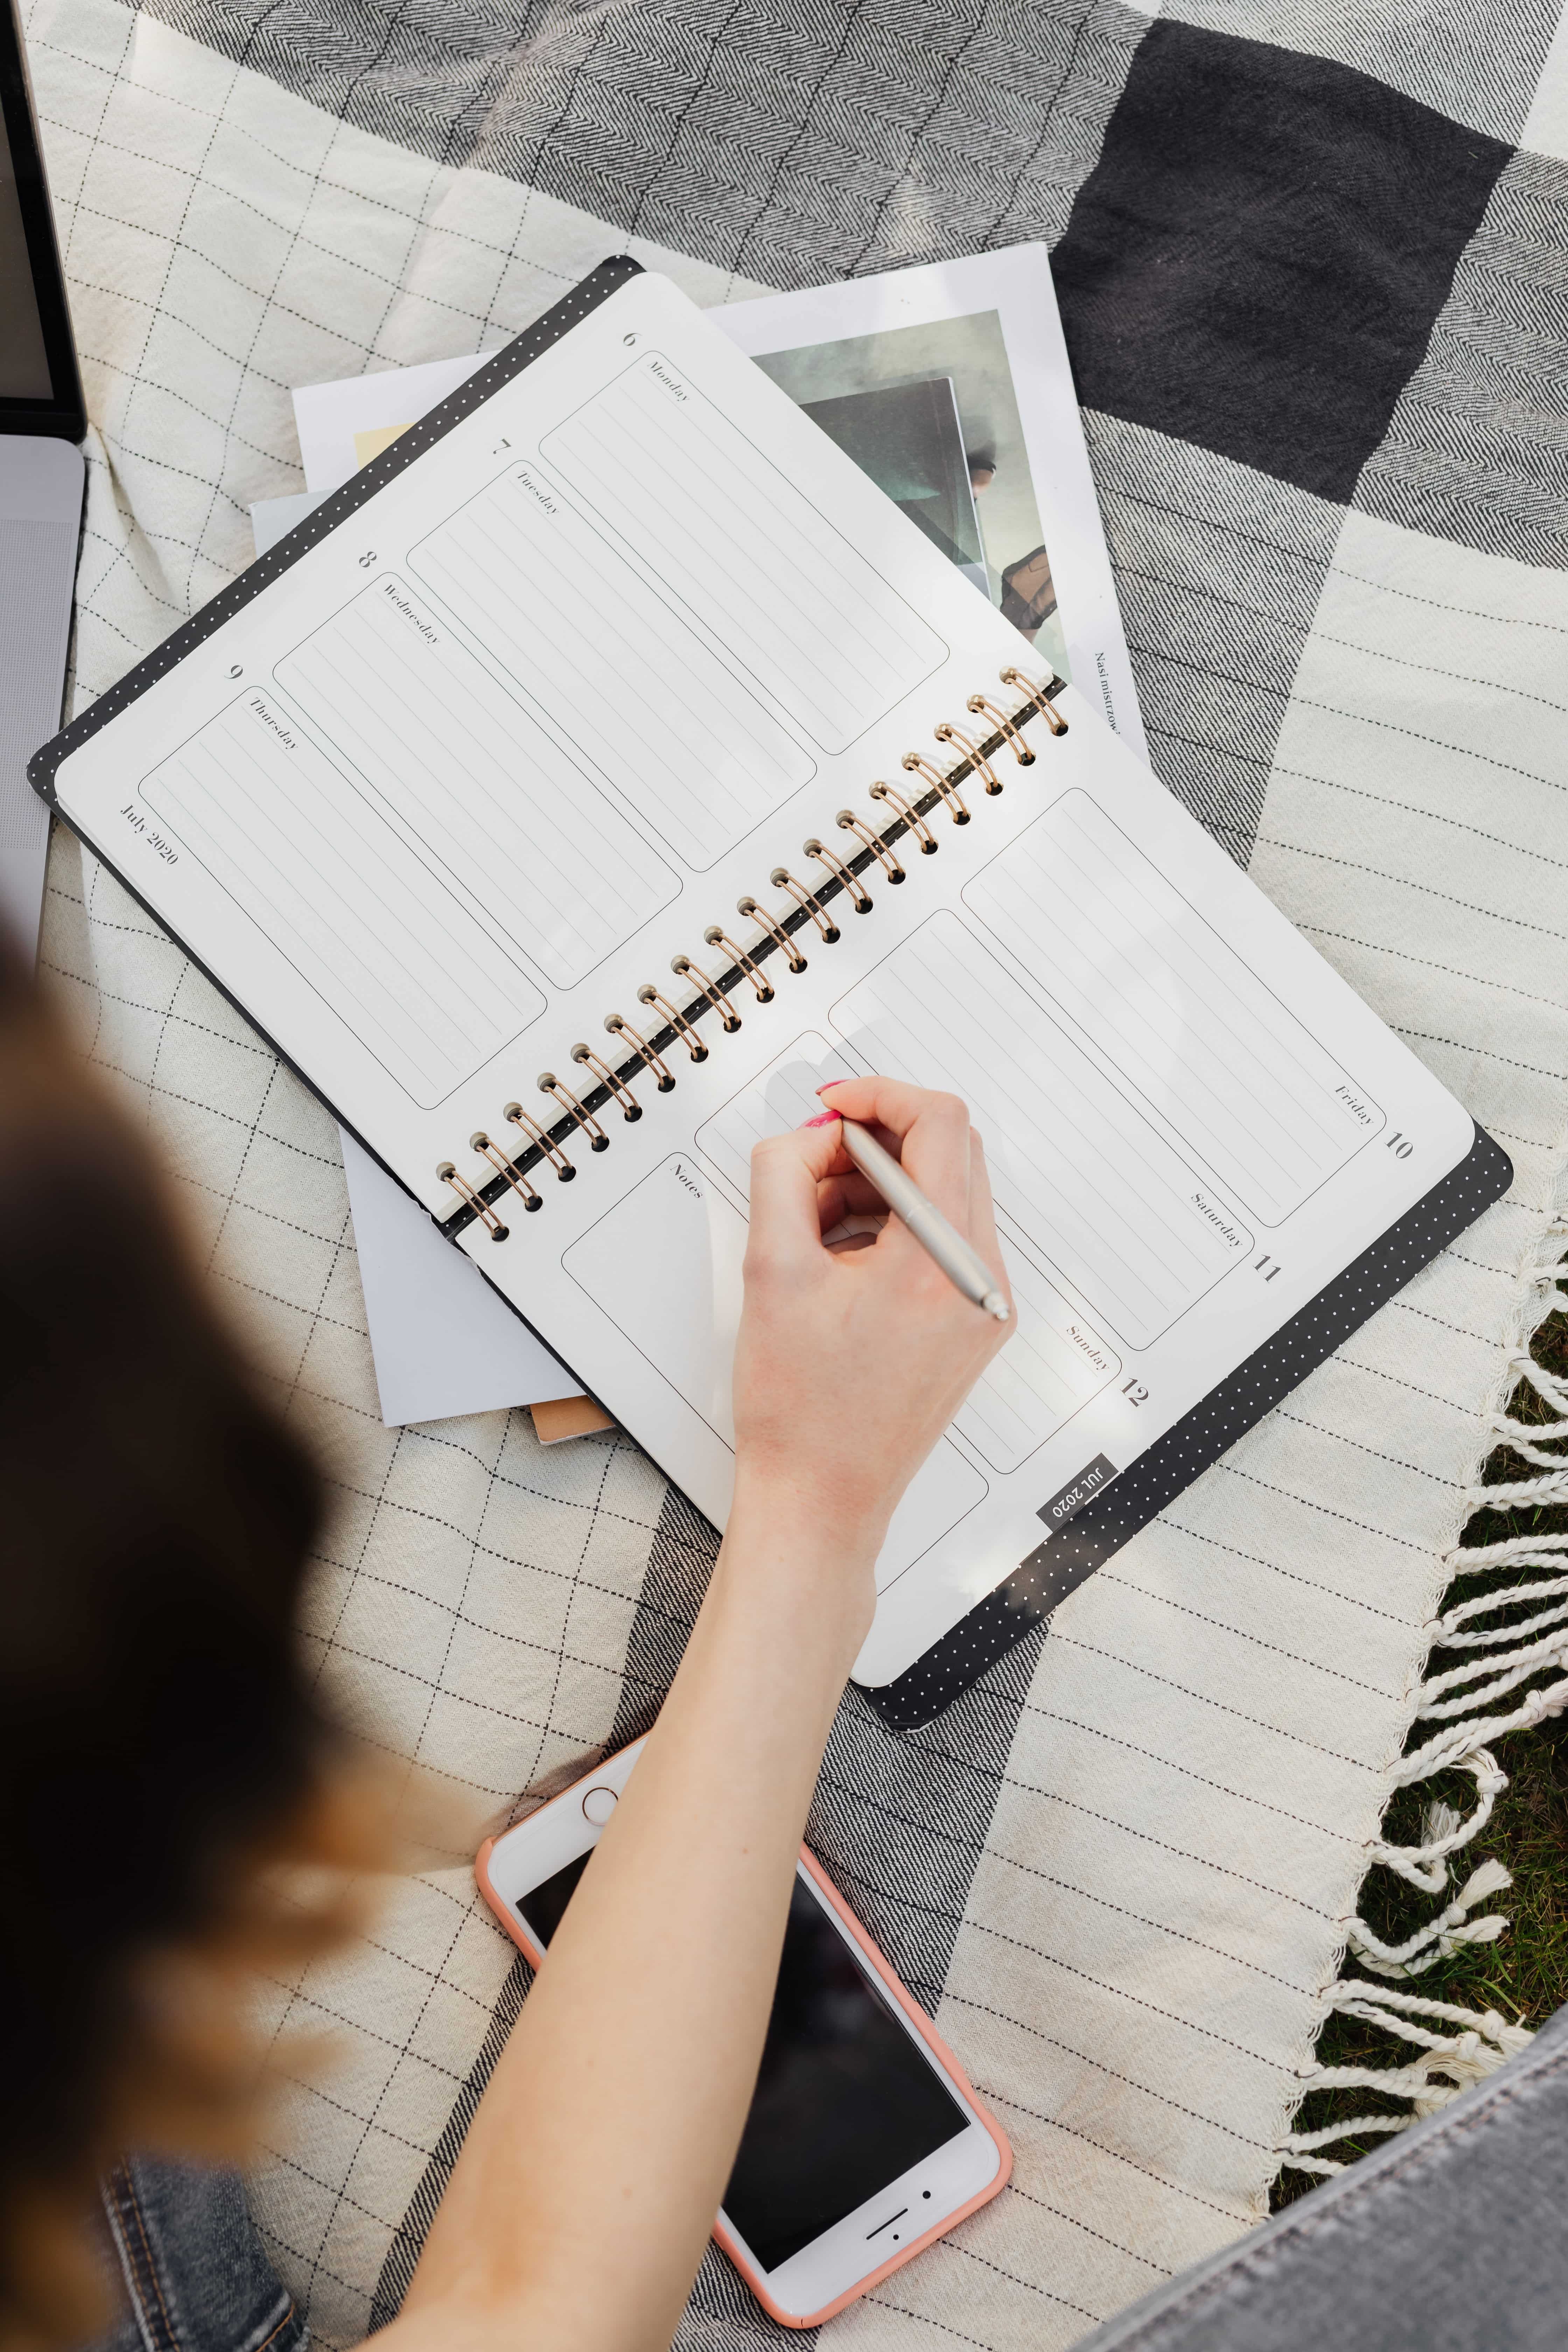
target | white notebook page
x=479, y=768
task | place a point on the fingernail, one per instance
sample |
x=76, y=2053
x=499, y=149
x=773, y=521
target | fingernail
x=831, y=1082
x=823, y=1118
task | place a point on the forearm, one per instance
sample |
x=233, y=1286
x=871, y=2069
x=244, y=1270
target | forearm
x=577, y=2213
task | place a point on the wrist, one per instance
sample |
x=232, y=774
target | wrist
x=791, y=1550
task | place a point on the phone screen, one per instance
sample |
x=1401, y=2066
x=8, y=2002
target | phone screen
x=845, y=2100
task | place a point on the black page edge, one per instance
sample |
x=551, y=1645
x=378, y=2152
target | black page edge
x=1138, y=1494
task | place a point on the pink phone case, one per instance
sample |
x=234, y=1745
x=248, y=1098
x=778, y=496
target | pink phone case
x=517, y=1929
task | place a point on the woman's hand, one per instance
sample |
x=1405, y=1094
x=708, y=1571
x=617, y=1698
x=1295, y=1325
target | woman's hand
x=852, y=1360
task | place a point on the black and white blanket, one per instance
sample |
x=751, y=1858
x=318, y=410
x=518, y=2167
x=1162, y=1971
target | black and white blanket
x=1313, y=267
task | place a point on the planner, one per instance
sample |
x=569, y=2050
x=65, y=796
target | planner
x=610, y=763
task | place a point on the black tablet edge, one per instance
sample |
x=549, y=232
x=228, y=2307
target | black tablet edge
x=1059, y=1564
x=496, y=371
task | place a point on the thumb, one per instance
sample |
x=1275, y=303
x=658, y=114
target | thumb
x=786, y=1231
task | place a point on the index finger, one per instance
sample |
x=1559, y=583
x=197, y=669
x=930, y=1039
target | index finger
x=931, y=1128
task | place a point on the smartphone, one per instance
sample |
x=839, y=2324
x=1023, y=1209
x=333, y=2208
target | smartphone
x=864, y=2141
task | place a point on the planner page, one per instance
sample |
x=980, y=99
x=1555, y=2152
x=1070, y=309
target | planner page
x=492, y=809
x=1192, y=1126
x=572, y=681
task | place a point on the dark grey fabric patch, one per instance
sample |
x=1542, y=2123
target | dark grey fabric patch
x=792, y=140
x=1218, y=571
x=1478, y=60
x=1256, y=260
x=1477, y=449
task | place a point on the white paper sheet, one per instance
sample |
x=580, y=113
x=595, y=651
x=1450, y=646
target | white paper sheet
x=443, y=1342
x=332, y=418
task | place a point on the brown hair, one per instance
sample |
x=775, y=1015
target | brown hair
x=159, y=1740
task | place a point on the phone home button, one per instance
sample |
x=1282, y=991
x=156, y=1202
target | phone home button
x=598, y=1804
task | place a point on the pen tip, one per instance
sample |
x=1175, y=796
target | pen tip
x=995, y=1304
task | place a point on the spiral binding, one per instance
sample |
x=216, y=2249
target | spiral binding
x=809, y=914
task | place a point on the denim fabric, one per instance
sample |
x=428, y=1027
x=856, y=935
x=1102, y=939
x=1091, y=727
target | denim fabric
x=1450, y=2239
x=191, y=2265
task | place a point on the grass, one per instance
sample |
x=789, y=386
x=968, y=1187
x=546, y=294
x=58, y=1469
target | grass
x=1524, y=1974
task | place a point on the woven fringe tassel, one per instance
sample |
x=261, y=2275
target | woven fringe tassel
x=1470, y=1702
x=1449, y=2062
x=1441, y=1936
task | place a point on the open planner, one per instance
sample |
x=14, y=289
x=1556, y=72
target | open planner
x=608, y=764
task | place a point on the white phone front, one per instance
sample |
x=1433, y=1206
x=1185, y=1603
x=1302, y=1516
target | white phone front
x=864, y=2140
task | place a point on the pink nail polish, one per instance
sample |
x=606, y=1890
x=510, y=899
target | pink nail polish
x=828, y=1083
x=823, y=1118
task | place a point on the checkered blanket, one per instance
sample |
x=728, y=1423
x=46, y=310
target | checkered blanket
x=1313, y=263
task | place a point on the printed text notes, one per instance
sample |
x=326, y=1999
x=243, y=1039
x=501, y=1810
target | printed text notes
x=613, y=663
x=801, y=610
x=1149, y=983
x=1082, y=1174
x=392, y=951
x=492, y=800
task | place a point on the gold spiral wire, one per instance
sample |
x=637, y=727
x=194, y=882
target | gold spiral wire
x=714, y=938
x=648, y=994
x=447, y=1175
x=886, y=856
x=618, y=1026
x=952, y=798
x=479, y=1141
x=947, y=733
x=630, y=1107
x=858, y=896
x=775, y=929
x=1003, y=727
x=728, y=1018
x=1039, y=695
x=912, y=818
x=536, y=1134
x=782, y=879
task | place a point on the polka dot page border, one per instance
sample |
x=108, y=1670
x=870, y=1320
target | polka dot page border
x=1058, y=1565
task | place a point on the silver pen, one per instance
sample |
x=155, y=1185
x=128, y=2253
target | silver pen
x=962, y=1264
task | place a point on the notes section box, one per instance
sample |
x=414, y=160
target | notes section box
x=612, y=662
x=777, y=1099
x=1150, y=984
x=464, y=765
x=1055, y=1360
x=380, y=935
x=832, y=644
x=1087, y=1180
